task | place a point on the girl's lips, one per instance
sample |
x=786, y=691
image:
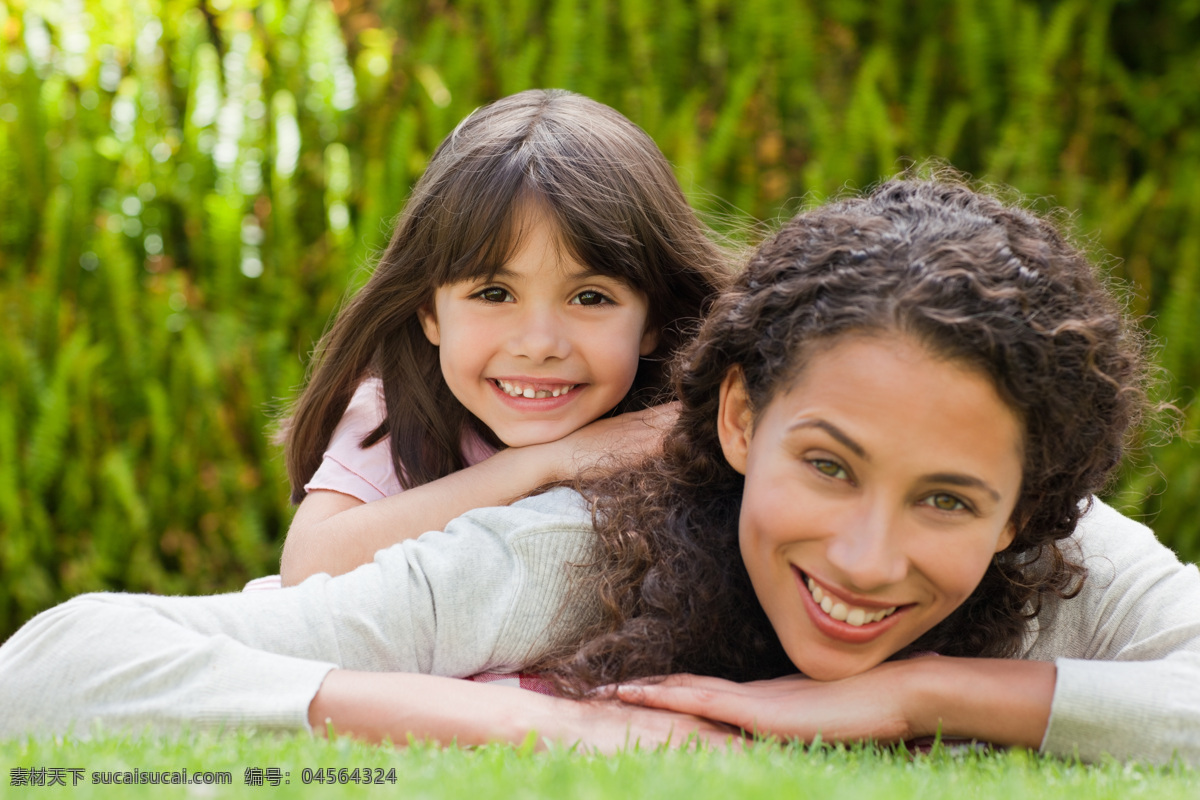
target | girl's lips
x=534, y=395
x=842, y=630
x=532, y=390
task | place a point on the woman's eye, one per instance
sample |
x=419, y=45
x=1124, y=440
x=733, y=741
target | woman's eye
x=944, y=502
x=494, y=294
x=830, y=469
x=589, y=298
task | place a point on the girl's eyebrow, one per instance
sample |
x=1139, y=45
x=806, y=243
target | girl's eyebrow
x=583, y=273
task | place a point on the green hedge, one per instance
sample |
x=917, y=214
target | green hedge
x=189, y=189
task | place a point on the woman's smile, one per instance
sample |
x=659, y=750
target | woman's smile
x=842, y=619
x=878, y=488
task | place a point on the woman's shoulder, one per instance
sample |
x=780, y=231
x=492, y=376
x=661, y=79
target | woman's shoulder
x=559, y=509
x=1107, y=542
x=1137, y=596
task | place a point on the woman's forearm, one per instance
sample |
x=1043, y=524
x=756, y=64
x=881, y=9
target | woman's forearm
x=379, y=706
x=1002, y=701
x=386, y=705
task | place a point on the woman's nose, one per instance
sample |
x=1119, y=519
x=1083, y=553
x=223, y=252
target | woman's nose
x=540, y=335
x=869, y=550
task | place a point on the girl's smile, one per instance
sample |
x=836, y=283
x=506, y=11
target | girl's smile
x=543, y=347
x=878, y=487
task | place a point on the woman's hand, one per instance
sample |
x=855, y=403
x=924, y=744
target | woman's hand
x=996, y=700
x=794, y=707
x=379, y=705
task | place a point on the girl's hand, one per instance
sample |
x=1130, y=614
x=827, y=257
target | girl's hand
x=626, y=437
x=1004, y=701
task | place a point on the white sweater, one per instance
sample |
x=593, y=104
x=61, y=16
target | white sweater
x=487, y=595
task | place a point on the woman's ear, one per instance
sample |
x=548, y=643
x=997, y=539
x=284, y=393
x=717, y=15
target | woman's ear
x=429, y=323
x=734, y=420
x=1006, y=536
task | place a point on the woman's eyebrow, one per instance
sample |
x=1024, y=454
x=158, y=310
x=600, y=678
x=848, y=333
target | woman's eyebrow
x=965, y=481
x=834, y=431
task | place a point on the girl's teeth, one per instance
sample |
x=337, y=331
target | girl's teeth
x=843, y=613
x=528, y=392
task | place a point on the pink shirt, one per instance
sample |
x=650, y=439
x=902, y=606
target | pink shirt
x=367, y=474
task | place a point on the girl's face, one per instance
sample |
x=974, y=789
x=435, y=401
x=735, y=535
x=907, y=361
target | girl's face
x=545, y=347
x=878, y=488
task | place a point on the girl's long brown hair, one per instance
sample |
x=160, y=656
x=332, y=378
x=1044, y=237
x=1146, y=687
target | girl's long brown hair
x=618, y=209
x=978, y=282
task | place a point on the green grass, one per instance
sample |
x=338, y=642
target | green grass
x=764, y=771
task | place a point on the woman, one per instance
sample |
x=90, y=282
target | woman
x=889, y=433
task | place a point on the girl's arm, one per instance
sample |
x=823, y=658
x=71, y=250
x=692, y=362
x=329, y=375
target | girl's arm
x=334, y=532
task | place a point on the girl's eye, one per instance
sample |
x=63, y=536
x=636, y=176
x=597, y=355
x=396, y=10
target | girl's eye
x=830, y=469
x=944, y=502
x=590, y=298
x=494, y=294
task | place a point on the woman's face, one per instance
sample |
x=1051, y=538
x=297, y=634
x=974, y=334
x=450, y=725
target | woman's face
x=878, y=488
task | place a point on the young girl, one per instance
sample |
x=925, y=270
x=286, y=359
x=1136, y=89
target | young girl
x=891, y=429
x=545, y=267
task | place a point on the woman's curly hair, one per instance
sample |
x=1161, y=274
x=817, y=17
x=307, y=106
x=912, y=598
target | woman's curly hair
x=977, y=281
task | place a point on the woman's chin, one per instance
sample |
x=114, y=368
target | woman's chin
x=835, y=666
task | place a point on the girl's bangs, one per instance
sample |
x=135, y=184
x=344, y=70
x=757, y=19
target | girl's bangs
x=481, y=240
x=478, y=234
x=597, y=237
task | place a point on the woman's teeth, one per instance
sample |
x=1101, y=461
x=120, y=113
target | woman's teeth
x=851, y=615
x=526, y=390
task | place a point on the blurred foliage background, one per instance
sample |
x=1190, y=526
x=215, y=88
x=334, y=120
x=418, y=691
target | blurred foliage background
x=190, y=187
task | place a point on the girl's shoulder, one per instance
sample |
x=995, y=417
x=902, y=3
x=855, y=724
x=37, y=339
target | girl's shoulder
x=364, y=412
x=368, y=399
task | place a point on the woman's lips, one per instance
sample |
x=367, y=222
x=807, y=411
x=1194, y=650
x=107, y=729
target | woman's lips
x=858, y=624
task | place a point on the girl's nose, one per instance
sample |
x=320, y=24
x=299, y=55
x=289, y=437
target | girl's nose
x=539, y=336
x=869, y=551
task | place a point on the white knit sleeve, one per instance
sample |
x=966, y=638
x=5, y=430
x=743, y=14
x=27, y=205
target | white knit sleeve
x=1127, y=649
x=475, y=598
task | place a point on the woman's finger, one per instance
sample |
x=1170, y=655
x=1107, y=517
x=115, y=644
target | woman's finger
x=702, y=701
